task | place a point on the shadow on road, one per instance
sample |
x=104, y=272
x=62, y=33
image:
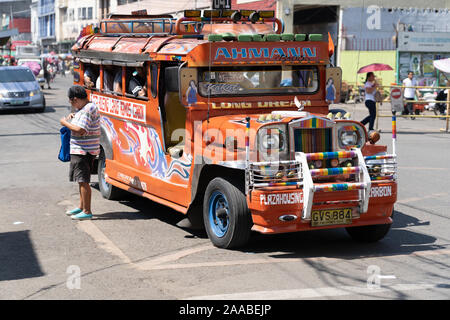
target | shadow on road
x=336, y=243
x=333, y=243
x=17, y=256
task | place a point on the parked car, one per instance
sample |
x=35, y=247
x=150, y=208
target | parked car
x=19, y=89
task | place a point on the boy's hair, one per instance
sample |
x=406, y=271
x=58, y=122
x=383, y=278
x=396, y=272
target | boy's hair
x=77, y=92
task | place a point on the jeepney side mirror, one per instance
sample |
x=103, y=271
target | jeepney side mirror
x=171, y=79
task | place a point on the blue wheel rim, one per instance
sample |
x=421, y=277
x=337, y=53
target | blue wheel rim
x=218, y=224
x=105, y=184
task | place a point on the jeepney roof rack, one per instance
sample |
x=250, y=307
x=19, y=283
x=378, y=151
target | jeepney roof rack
x=190, y=25
x=144, y=26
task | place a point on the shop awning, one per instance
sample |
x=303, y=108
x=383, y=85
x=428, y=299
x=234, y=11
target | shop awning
x=5, y=35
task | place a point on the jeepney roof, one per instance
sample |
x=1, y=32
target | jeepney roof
x=142, y=37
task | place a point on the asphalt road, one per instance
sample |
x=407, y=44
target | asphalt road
x=136, y=249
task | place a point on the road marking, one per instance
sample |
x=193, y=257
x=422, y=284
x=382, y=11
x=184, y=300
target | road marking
x=104, y=243
x=155, y=263
x=226, y=263
x=435, y=195
x=220, y=263
x=386, y=277
x=424, y=168
x=313, y=293
x=99, y=237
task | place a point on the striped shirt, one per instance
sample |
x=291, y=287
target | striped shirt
x=87, y=118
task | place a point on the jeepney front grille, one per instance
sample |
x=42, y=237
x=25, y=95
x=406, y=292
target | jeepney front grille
x=275, y=174
x=313, y=140
x=382, y=167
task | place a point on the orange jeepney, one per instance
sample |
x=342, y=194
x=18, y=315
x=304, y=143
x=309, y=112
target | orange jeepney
x=225, y=118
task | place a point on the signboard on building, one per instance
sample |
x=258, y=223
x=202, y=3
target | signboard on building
x=424, y=42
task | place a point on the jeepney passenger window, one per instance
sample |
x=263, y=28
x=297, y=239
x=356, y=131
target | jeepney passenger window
x=137, y=84
x=117, y=83
x=91, y=73
x=108, y=78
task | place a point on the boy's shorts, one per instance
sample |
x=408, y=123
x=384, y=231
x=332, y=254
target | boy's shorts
x=81, y=167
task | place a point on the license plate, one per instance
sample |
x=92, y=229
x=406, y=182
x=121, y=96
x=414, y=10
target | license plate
x=331, y=217
x=16, y=102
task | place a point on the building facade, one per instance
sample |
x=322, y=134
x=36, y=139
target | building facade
x=75, y=15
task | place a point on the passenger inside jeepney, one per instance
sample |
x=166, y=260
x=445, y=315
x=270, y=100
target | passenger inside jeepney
x=117, y=84
x=137, y=85
x=108, y=78
x=267, y=79
x=91, y=73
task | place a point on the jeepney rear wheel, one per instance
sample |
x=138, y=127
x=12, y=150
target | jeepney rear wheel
x=107, y=190
x=369, y=233
x=226, y=216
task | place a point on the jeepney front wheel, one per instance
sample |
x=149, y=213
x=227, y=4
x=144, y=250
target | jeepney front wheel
x=107, y=190
x=369, y=233
x=226, y=215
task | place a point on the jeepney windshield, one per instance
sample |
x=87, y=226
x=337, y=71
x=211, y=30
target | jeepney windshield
x=263, y=80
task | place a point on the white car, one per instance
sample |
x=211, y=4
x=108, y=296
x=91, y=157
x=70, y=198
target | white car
x=19, y=89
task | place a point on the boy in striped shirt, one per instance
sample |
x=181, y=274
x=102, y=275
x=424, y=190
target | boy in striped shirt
x=84, y=125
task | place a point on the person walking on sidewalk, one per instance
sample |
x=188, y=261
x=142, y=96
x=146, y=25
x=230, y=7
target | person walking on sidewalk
x=84, y=125
x=370, y=88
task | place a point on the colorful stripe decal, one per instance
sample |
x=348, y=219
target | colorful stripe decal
x=338, y=187
x=278, y=184
x=335, y=171
x=313, y=140
x=331, y=155
x=388, y=156
x=247, y=134
x=382, y=178
x=350, y=128
x=313, y=123
x=394, y=127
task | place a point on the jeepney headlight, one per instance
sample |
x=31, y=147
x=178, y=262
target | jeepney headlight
x=350, y=135
x=349, y=138
x=272, y=143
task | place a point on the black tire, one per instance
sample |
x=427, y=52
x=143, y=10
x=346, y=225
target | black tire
x=40, y=110
x=232, y=228
x=369, y=233
x=107, y=190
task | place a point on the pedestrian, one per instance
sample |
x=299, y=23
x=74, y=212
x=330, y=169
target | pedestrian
x=84, y=125
x=370, y=88
x=47, y=75
x=410, y=93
